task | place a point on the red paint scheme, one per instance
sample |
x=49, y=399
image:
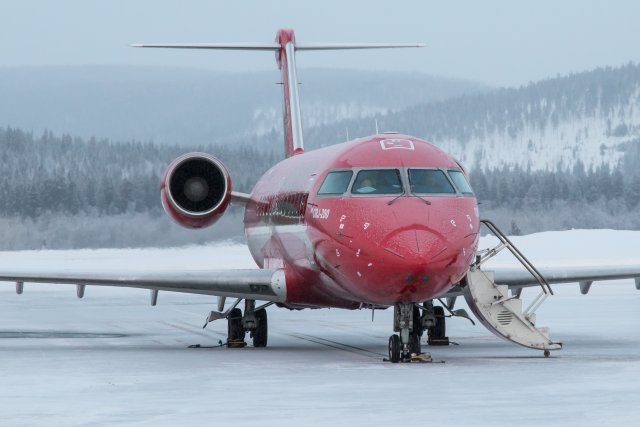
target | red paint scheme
x=283, y=37
x=355, y=250
x=409, y=251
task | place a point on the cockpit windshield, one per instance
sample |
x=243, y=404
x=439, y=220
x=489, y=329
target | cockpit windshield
x=422, y=181
x=430, y=181
x=460, y=181
x=377, y=181
x=335, y=183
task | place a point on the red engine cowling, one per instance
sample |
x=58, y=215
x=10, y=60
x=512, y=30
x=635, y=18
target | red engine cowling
x=196, y=190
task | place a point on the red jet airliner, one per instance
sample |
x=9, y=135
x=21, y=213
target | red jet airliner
x=388, y=220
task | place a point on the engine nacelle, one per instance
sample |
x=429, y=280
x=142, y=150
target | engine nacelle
x=196, y=190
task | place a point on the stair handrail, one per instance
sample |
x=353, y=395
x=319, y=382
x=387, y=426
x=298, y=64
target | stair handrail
x=505, y=242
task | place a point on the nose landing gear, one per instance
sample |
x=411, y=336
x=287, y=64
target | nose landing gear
x=411, y=323
x=406, y=321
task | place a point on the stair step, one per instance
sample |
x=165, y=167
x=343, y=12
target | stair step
x=502, y=314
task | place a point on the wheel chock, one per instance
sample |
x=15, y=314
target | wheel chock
x=236, y=343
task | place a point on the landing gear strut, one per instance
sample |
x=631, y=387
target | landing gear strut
x=406, y=321
x=411, y=320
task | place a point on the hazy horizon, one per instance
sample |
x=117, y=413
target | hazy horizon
x=496, y=42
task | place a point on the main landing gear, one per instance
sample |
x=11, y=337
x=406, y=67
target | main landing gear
x=411, y=320
x=254, y=321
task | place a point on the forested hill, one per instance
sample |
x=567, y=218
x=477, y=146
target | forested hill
x=589, y=117
x=557, y=154
x=193, y=106
x=70, y=192
x=50, y=173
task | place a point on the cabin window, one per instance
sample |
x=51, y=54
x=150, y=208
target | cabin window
x=430, y=181
x=460, y=181
x=335, y=183
x=378, y=181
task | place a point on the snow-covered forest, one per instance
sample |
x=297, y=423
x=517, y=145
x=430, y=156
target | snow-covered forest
x=65, y=192
x=589, y=117
x=557, y=154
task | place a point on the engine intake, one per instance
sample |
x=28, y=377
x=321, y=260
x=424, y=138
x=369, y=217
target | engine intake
x=196, y=190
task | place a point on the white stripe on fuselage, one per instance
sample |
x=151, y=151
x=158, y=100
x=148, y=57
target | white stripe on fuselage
x=259, y=236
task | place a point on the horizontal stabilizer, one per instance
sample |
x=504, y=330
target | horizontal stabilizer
x=223, y=46
x=275, y=46
x=285, y=48
x=346, y=46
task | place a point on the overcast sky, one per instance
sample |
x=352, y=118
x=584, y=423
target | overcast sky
x=502, y=43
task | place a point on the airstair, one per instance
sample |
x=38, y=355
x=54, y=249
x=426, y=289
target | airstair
x=500, y=312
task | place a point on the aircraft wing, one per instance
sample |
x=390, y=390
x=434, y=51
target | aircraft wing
x=518, y=278
x=260, y=284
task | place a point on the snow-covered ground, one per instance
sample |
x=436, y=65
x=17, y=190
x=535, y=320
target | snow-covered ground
x=111, y=359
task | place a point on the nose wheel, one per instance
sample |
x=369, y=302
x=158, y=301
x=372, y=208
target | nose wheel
x=395, y=348
x=407, y=343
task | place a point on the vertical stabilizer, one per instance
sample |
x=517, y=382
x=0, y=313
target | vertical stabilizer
x=291, y=116
x=285, y=47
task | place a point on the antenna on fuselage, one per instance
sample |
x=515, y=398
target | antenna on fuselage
x=285, y=48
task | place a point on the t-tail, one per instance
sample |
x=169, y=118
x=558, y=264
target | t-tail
x=285, y=48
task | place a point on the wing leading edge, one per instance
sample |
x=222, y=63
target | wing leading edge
x=269, y=285
x=259, y=284
x=518, y=278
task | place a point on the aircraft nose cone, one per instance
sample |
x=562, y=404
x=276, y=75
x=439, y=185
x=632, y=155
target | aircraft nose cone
x=415, y=265
x=414, y=245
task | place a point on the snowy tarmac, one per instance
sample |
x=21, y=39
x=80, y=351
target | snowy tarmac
x=111, y=359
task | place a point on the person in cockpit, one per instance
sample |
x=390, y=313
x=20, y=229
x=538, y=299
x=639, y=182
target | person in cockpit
x=365, y=187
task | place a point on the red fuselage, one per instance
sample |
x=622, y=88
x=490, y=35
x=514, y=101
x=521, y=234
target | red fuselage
x=354, y=249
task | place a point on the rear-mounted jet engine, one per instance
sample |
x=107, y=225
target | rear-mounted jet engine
x=196, y=190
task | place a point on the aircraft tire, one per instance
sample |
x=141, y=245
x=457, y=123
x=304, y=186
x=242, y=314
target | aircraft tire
x=415, y=347
x=394, y=348
x=261, y=333
x=417, y=323
x=438, y=331
x=235, y=331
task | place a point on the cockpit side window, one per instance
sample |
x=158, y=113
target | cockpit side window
x=429, y=181
x=336, y=183
x=460, y=181
x=377, y=181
